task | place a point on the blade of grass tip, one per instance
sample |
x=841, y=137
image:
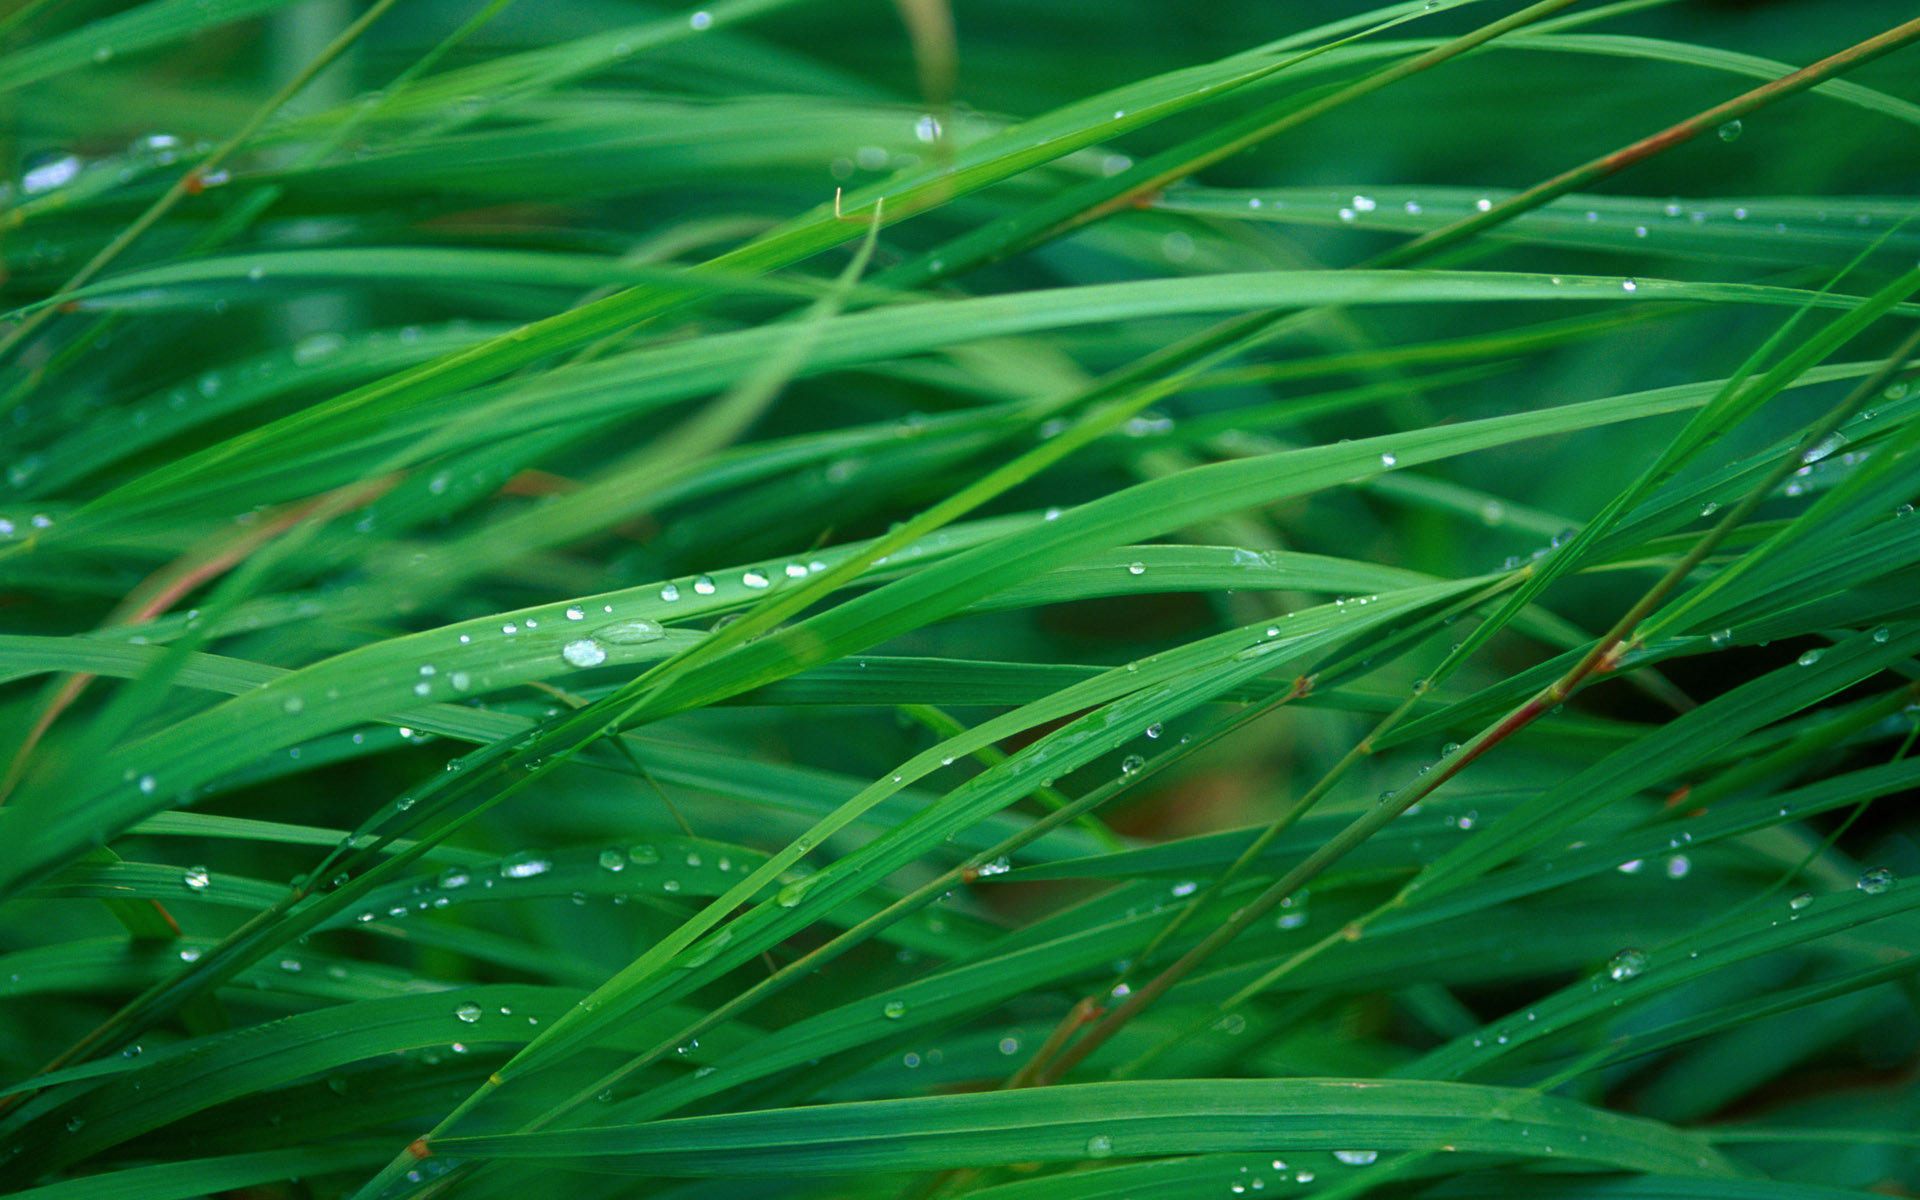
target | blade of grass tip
x=1598, y=660
x=807, y=965
x=193, y=180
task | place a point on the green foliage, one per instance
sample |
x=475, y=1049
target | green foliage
x=1069, y=600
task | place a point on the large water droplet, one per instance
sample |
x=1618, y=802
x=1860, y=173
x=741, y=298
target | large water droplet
x=584, y=653
x=1876, y=881
x=1356, y=1158
x=755, y=579
x=636, y=632
x=1626, y=965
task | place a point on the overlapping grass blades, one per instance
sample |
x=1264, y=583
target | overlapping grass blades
x=628, y=595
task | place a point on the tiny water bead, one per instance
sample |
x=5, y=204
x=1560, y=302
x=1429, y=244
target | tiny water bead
x=468, y=1012
x=1626, y=965
x=1877, y=881
x=584, y=653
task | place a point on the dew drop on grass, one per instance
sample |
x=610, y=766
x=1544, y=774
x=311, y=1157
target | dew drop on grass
x=643, y=854
x=196, y=878
x=636, y=632
x=755, y=579
x=1877, y=881
x=701, y=20
x=893, y=1010
x=1356, y=1158
x=1388, y=460
x=1882, y=635
x=148, y=784
x=575, y=612
x=469, y=1012
x=1132, y=764
x=524, y=866
x=1809, y=658
x=612, y=860
x=1801, y=901
x=1626, y=965
x=1730, y=132
x=1099, y=1146
x=584, y=653
x=1629, y=285
x=1154, y=730
x=669, y=592
x=1136, y=568
x=704, y=585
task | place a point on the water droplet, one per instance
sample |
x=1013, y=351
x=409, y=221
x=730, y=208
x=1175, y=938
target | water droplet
x=1185, y=887
x=612, y=860
x=1877, y=881
x=1631, y=866
x=755, y=579
x=643, y=854
x=1009, y=1045
x=1801, y=901
x=1628, y=285
x=1356, y=1158
x=460, y=680
x=1483, y=204
x=1809, y=658
x=584, y=653
x=1626, y=965
x=195, y=878
x=1363, y=204
x=292, y=704
x=701, y=20
x=1132, y=764
x=148, y=784
x=704, y=585
x=575, y=612
x=893, y=1010
x=1099, y=1146
x=1730, y=131
x=927, y=129
x=1154, y=730
x=524, y=866
x=1721, y=637
x=791, y=895
x=1388, y=460
x=468, y=1012
x=1678, y=866
x=636, y=632
x=1882, y=635
x=669, y=592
